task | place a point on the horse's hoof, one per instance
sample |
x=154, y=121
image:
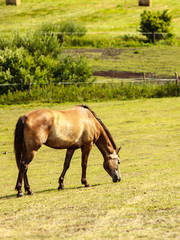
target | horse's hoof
x=88, y=185
x=20, y=194
x=30, y=192
x=61, y=187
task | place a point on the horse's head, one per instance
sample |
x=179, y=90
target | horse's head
x=111, y=165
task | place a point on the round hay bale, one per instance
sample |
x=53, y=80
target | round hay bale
x=145, y=3
x=13, y=2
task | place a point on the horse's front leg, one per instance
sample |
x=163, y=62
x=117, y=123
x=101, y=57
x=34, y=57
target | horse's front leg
x=67, y=161
x=85, y=154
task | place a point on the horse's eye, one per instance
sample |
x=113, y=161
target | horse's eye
x=118, y=162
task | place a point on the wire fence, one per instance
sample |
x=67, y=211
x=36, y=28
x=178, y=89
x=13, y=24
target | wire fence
x=113, y=80
x=100, y=33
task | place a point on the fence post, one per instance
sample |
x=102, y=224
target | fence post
x=62, y=38
x=177, y=82
x=177, y=79
x=144, y=77
x=154, y=37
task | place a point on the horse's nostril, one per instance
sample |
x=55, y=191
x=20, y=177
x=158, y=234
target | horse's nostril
x=115, y=179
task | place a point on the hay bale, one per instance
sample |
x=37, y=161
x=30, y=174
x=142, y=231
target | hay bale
x=13, y=2
x=145, y=3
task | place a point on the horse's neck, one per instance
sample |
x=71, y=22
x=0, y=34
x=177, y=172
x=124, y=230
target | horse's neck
x=104, y=145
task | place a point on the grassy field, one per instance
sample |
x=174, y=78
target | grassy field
x=117, y=17
x=144, y=205
x=158, y=60
x=101, y=16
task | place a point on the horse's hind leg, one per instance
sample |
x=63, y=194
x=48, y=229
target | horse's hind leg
x=19, y=180
x=26, y=184
x=26, y=159
x=67, y=161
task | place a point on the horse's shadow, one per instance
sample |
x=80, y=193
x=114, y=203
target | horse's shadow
x=8, y=196
x=66, y=189
x=11, y=196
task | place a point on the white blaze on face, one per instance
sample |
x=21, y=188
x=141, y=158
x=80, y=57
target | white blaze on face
x=114, y=155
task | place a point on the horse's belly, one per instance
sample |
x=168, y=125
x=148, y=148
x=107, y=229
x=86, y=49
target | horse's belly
x=63, y=141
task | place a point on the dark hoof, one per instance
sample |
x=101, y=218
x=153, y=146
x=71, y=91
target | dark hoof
x=30, y=192
x=61, y=187
x=20, y=194
x=88, y=185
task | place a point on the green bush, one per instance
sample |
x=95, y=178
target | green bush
x=35, y=58
x=71, y=28
x=64, y=31
x=156, y=25
x=15, y=68
x=4, y=43
x=18, y=68
x=71, y=69
x=37, y=43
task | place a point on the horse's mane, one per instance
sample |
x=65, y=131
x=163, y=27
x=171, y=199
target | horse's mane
x=102, y=124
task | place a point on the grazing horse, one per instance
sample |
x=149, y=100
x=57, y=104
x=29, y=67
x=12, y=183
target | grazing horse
x=71, y=129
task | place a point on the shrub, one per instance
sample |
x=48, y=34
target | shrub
x=64, y=30
x=38, y=42
x=18, y=68
x=156, y=25
x=71, y=69
x=15, y=68
x=71, y=28
x=35, y=58
x=4, y=43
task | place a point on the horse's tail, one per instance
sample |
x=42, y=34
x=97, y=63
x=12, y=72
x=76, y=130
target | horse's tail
x=19, y=143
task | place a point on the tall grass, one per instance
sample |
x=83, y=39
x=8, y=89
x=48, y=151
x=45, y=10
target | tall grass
x=90, y=92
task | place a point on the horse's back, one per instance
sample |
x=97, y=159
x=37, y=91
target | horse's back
x=60, y=129
x=72, y=128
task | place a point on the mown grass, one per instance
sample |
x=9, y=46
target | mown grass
x=99, y=16
x=144, y=205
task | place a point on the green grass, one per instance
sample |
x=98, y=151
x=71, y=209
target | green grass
x=99, y=16
x=144, y=205
x=157, y=60
x=91, y=93
x=112, y=17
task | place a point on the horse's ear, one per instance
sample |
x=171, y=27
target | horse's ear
x=117, y=151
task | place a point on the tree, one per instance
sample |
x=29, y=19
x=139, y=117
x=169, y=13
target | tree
x=156, y=25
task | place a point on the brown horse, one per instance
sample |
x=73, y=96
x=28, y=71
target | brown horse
x=71, y=129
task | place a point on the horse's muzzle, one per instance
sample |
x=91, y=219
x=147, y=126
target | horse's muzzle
x=116, y=179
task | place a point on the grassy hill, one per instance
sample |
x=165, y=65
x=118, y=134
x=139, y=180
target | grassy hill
x=112, y=17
